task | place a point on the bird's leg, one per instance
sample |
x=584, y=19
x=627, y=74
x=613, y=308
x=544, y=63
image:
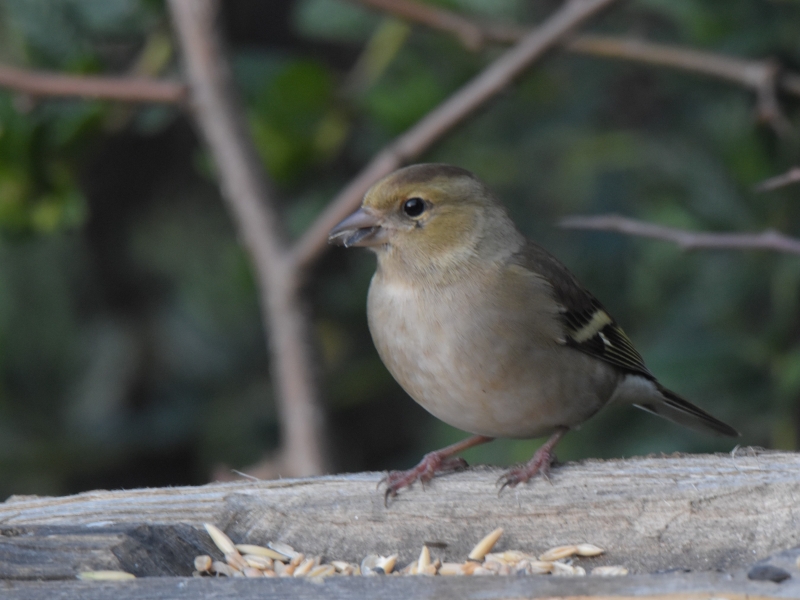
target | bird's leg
x=431, y=463
x=540, y=463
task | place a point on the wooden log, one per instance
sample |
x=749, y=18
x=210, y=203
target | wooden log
x=651, y=514
x=706, y=586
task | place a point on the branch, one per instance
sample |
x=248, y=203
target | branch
x=763, y=76
x=687, y=240
x=773, y=183
x=125, y=89
x=443, y=119
x=473, y=35
x=248, y=196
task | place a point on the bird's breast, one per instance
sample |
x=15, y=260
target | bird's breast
x=475, y=361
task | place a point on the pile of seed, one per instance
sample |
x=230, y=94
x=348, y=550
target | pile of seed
x=281, y=560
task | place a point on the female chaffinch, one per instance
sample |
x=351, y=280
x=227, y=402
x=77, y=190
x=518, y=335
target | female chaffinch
x=484, y=328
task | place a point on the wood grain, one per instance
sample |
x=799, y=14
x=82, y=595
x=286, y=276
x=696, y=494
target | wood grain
x=643, y=587
x=703, y=512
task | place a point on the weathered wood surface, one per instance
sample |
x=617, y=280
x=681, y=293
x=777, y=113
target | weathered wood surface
x=706, y=586
x=702, y=512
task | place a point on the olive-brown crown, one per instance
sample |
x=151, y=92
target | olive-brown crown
x=438, y=215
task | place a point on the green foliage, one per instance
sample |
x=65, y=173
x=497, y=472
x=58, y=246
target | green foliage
x=38, y=192
x=294, y=121
x=40, y=142
x=70, y=33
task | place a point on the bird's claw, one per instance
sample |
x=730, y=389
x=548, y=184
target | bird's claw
x=429, y=466
x=539, y=464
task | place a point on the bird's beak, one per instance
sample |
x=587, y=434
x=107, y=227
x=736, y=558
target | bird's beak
x=359, y=229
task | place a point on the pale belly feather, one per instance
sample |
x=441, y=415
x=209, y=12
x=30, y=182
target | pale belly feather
x=476, y=369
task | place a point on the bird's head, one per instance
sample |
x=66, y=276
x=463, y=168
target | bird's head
x=429, y=216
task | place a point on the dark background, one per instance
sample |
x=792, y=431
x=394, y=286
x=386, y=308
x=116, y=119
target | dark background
x=131, y=347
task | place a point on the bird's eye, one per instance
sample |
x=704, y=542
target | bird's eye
x=414, y=207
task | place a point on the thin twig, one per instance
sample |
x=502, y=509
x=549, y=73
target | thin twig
x=779, y=181
x=125, y=89
x=431, y=128
x=248, y=195
x=473, y=35
x=688, y=240
x=761, y=76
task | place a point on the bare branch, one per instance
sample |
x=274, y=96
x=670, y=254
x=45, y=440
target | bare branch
x=748, y=73
x=779, y=181
x=248, y=195
x=687, y=240
x=473, y=35
x=761, y=76
x=444, y=118
x=125, y=89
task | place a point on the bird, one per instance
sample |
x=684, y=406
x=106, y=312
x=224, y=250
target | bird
x=486, y=329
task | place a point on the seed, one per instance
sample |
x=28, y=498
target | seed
x=558, y=553
x=492, y=565
x=369, y=564
x=278, y=559
x=387, y=563
x=105, y=576
x=282, y=548
x=450, y=568
x=322, y=571
x=221, y=568
x=560, y=568
x=304, y=567
x=539, y=567
x=340, y=565
x=261, y=551
x=588, y=550
x=610, y=571
x=257, y=561
x=521, y=568
x=222, y=541
x=424, y=560
x=429, y=570
x=483, y=547
x=509, y=556
x=235, y=560
x=202, y=563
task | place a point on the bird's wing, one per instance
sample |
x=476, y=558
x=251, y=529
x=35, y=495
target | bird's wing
x=587, y=326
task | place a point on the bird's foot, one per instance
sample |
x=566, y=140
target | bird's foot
x=539, y=464
x=431, y=464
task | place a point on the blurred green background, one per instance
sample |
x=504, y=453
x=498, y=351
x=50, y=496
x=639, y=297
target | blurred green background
x=131, y=347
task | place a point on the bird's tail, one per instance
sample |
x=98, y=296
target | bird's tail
x=672, y=407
